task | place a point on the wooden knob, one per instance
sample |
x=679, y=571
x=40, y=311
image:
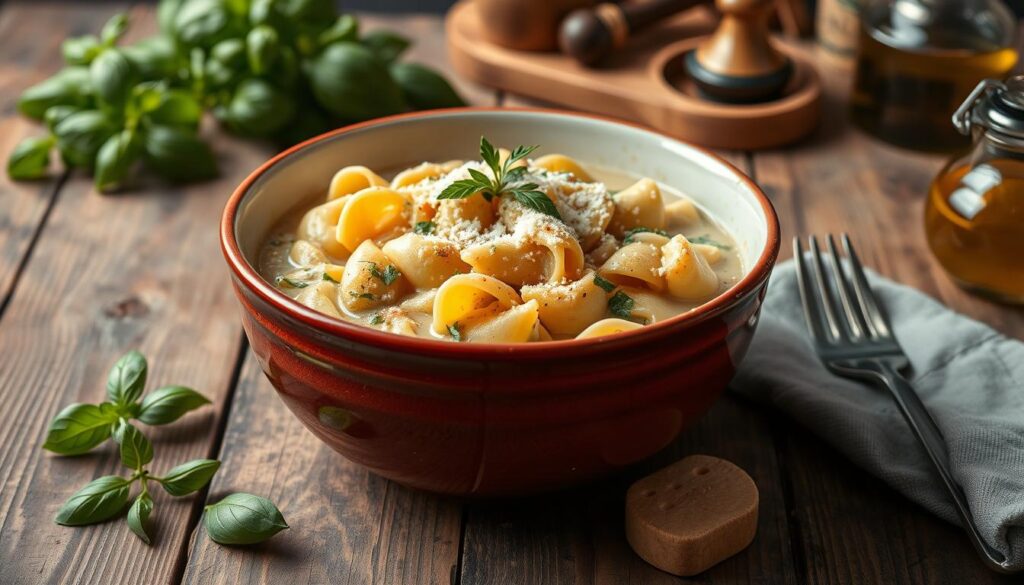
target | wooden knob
x=590, y=35
x=738, y=62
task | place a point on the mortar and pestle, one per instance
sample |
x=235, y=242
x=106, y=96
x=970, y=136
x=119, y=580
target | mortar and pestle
x=733, y=88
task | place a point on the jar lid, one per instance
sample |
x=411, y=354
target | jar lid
x=996, y=105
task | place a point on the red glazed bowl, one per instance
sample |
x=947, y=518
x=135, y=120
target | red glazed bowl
x=490, y=419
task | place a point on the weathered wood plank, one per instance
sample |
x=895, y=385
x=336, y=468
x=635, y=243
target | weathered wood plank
x=29, y=56
x=853, y=529
x=109, y=273
x=348, y=526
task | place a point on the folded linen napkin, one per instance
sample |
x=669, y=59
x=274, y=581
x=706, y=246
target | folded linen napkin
x=970, y=377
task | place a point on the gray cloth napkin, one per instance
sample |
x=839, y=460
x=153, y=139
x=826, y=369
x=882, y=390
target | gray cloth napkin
x=970, y=377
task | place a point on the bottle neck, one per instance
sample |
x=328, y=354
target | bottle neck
x=990, y=145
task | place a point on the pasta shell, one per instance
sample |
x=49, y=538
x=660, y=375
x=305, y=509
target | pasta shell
x=353, y=179
x=426, y=261
x=687, y=273
x=608, y=327
x=371, y=214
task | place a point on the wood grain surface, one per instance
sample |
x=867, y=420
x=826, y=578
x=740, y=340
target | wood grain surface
x=84, y=277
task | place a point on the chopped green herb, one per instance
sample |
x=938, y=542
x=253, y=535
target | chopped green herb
x=641, y=230
x=364, y=295
x=387, y=276
x=621, y=305
x=284, y=281
x=453, y=330
x=499, y=183
x=424, y=228
x=707, y=242
x=329, y=278
x=377, y=319
x=607, y=285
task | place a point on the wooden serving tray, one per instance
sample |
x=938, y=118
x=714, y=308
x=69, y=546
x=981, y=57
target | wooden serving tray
x=645, y=83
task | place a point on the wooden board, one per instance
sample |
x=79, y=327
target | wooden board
x=644, y=83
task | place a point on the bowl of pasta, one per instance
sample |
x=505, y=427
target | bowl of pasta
x=496, y=301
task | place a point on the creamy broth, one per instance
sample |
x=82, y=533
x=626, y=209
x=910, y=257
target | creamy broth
x=313, y=273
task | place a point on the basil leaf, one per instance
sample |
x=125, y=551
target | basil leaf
x=259, y=109
x=463, y=188
x=345, y=28
x=136, y=450
x=350, y=82
x=491, y=157
x=80, y=427
x=307, y=10
x=386, y=45
x=69, y=87
x=202, y=22
x=166, y=13
x=99, y=500
x=30, y=159
x=178, y=155
x=138, y=516
x=114, y=29
x=177, y=108
x=115, y=160
x=127, y=379
x=81, y=50
x=230, y=52
x=242, y=519
x=189, y=477
x=536, y=200
x=112, y=77
x=424, y=228
x=153, y=58
x=80, y=136
x=166, y=405
x=262, y=47
x=424, y=88
x=56, y=114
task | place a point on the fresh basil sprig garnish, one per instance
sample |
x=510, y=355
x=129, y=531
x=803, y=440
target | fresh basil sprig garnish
x=237, y=519
x=80, y=427
x=500, y=183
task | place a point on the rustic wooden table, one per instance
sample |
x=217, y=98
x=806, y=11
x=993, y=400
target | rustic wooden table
x=84, y=277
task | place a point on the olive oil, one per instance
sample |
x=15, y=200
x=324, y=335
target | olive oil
x=974, y=221
x=906, y=95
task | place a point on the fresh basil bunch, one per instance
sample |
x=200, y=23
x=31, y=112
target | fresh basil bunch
x=279, y=70
x=237, y=519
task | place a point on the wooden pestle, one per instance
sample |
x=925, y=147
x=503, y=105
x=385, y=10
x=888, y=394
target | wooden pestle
x=738, y=63
x=589, y=35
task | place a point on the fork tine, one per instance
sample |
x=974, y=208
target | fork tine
x=812, y=312
x=854, y=318
x=875, y=318
x=827, y=301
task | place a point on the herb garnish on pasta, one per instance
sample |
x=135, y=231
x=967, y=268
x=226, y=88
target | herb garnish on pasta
x=500, y=183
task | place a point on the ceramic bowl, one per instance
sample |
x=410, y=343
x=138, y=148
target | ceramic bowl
x=497, y=419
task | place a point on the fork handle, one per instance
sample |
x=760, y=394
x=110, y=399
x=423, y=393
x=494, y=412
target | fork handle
x=928, y=433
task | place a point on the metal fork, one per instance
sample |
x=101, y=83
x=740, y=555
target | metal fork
x=854, y=338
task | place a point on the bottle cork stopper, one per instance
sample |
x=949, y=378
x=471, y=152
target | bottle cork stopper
x=691, y=515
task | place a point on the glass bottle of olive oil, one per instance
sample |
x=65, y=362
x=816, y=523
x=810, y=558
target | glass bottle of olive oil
x=917, y=61
x=974, y=216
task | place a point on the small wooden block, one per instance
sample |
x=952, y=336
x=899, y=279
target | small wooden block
x=691, y=515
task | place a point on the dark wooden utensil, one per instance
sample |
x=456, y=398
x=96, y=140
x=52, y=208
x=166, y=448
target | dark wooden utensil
x=738, y=63
x=589, y=35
